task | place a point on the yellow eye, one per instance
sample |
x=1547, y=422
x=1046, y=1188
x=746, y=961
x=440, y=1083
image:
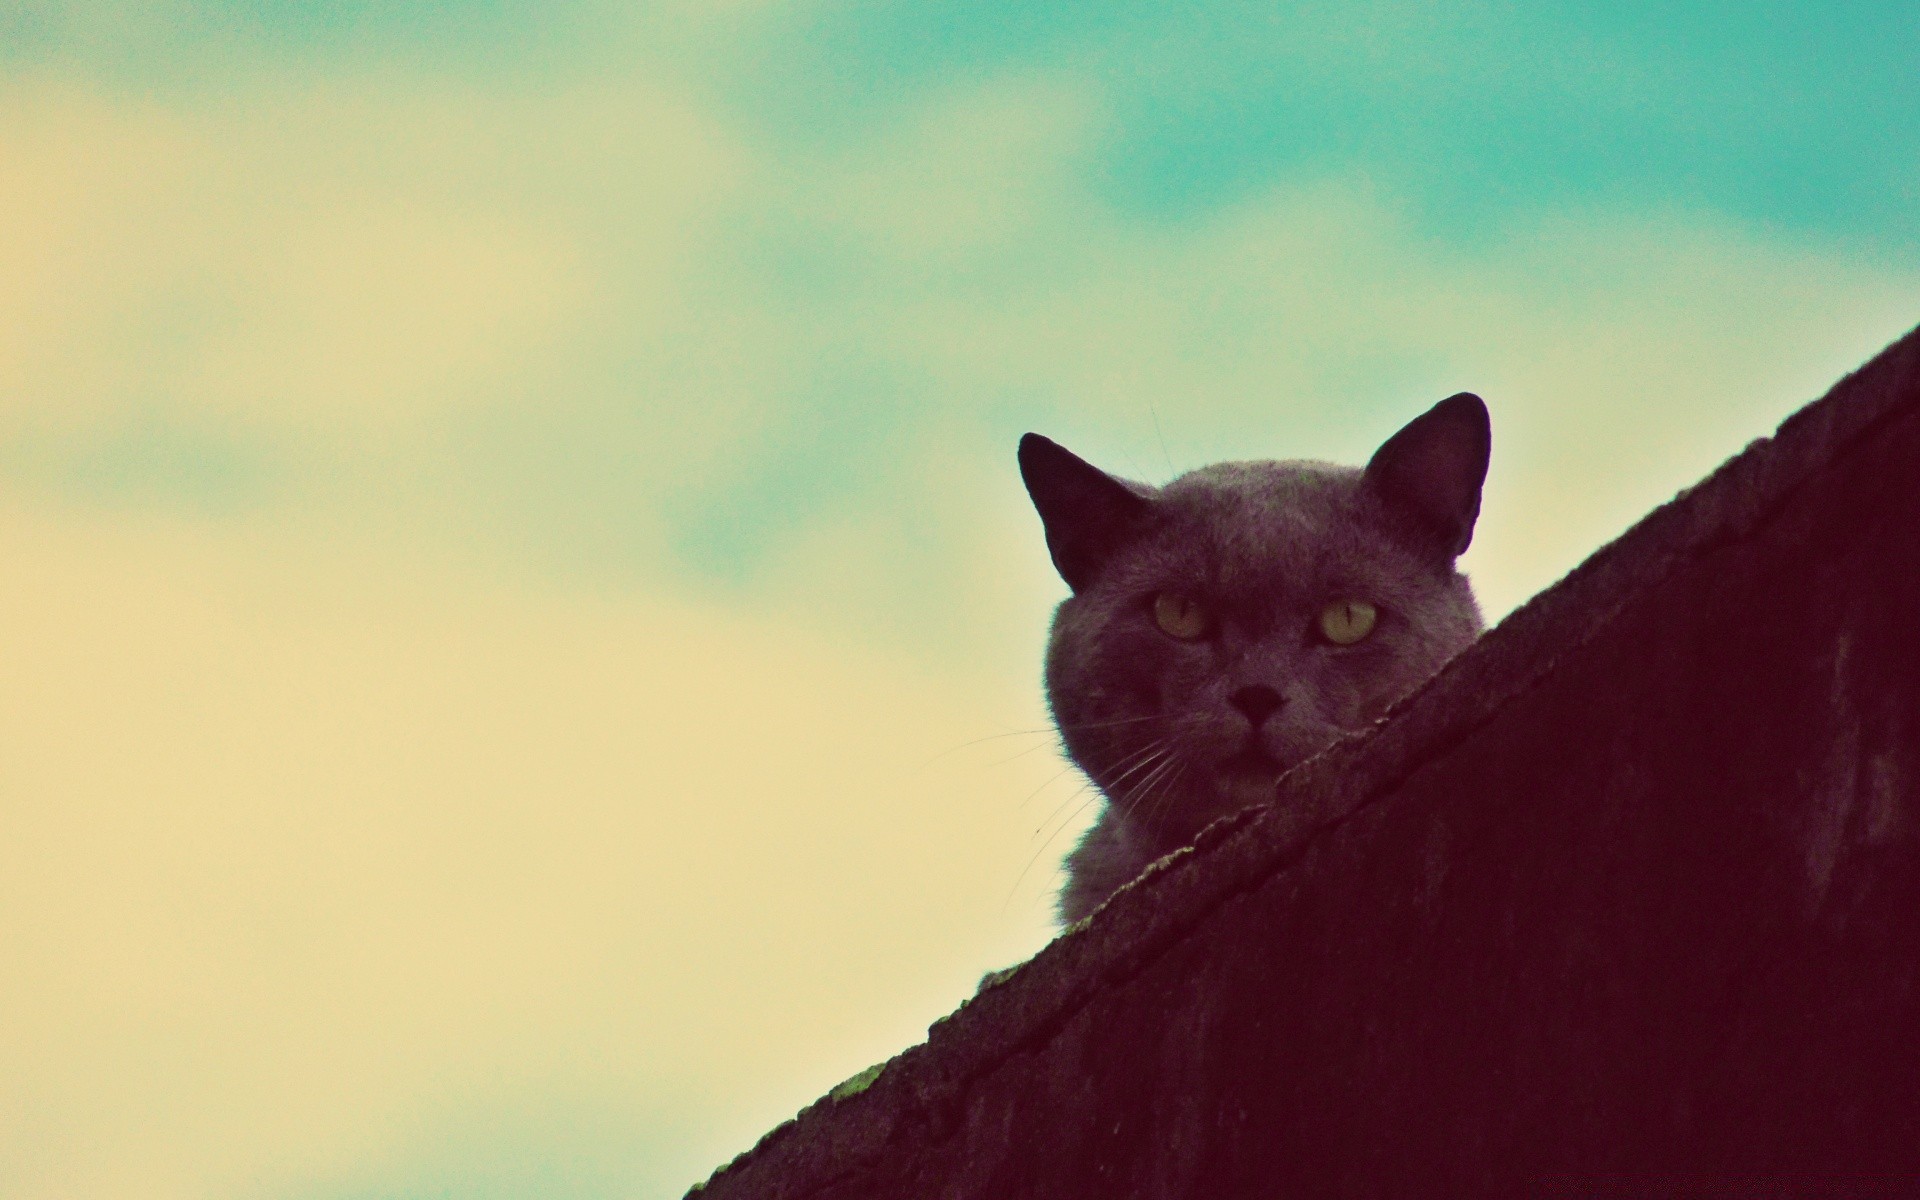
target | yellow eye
x=1345, y=622
x=1179, y=616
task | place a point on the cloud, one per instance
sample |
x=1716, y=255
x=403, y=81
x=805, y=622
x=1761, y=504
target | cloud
x=295, y=859
x=315, y=276
x=150, y=40
x=561, y=1139
x=493, y=559
x=1473, y=115
x=599, y=330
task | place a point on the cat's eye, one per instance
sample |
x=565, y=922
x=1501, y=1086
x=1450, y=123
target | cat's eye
x=1180, y=616
x=1345, y=622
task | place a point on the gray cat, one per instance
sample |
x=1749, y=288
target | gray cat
x=1235, y=622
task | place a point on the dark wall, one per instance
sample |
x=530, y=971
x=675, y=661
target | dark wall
x=1631, y=893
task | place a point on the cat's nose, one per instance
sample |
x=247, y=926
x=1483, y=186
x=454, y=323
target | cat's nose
x=1257, y=701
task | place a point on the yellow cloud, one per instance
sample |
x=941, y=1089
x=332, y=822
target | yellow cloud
x=315, y=820
x=329, y=258
x=297, y=840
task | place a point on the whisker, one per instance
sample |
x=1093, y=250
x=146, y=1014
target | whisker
x=1146, y=759
x=1019, y=754
x=1140, y=759
x=1093, y=794
x=1044, y=786
x=1087, y=790
x=1155, y=771
x=991, y=737
x=1132, y=762
x=1039, y=732
x=1135, y=779
x=1169, y=791
x=1085, y=794
x=1151, y=758
x=1136, y=761
x=1115, y=721
x=1142, y=790
x=1086, y=785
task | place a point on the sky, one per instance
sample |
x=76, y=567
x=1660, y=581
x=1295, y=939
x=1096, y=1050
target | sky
x=520, y=635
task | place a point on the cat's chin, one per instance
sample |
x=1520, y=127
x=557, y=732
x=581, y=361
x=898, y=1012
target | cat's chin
x=1245, y=791
x=1248, y=780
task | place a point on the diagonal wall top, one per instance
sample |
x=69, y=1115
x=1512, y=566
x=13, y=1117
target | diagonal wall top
x=1131, y=1018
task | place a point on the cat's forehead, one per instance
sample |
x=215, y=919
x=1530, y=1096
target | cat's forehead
x=1267, y=526
x=1263, y=493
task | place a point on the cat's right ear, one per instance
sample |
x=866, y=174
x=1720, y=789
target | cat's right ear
x=1088, y=513
x=1433, y=469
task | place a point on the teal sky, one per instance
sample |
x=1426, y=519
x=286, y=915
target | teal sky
x=1794, y=117
x=1469, y=131
x=443, y=371
x=1800, y=119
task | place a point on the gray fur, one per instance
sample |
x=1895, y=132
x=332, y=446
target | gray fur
x=1265, y=545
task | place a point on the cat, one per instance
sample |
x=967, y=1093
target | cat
x=1233, y=623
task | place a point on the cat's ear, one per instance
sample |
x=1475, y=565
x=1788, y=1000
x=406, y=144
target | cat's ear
x=1088, y=513
x=1431, y=471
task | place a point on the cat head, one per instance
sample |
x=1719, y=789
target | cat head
x=1237, y=621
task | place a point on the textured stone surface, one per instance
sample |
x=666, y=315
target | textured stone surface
x=1630, y=892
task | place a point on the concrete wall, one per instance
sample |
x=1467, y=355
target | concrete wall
x=1631, y=892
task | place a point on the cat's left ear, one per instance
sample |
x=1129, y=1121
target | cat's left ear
x=1432, y=469
x=1088, y=514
